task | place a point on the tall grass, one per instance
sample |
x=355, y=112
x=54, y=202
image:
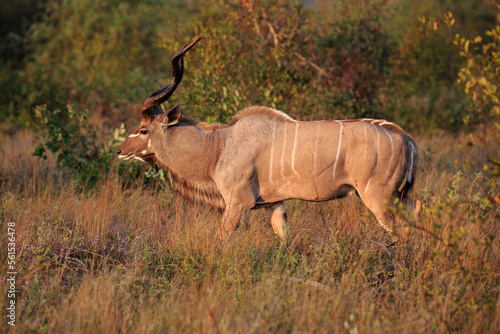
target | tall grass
x=125, y=260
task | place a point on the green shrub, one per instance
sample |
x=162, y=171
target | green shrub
x=329, y=60
x=279, y=54
x=101, y=54
x=79, y=152
x=335, y=60
x=480, y=78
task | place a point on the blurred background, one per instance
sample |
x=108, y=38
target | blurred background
x=87, y=63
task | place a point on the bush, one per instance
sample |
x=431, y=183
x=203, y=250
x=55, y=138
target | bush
x=480, y=79
x=101, y=54
x=279, y=54
x=329, y=60
x=78, y=151
x=336, y=60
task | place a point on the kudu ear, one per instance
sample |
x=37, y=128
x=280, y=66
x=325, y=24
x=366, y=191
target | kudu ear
x=171, y=116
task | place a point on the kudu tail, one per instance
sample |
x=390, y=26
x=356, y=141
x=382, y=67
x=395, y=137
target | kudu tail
x=409, y=181
x=411, y=172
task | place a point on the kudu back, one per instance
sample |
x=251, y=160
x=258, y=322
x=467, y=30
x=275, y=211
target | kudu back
x=264, y=157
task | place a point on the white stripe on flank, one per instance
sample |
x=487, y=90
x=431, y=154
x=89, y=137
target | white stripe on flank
x=392, y=151
x=149, y=143
x=135, y=134
x=315, y=154
x=294, y=147
x=338, y=149
x=378, y=138
x=368, y=184
x=272, y=154
x=283, y=151
x=366, y=143
x=376, y=153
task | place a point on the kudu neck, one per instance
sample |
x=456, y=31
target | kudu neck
x=189, y=151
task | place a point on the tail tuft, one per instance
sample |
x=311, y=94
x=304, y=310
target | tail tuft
x=409, y=180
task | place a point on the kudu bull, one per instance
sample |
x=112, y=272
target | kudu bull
x=264, y=157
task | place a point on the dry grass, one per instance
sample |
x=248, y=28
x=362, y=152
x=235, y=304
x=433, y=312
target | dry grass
x=121, y=260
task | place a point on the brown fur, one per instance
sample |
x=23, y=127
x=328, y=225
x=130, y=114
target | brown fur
x=249, y=111
x=194, y=192
x=387, y=125
x=261, y=110
x=211, y=195
x=187, y=120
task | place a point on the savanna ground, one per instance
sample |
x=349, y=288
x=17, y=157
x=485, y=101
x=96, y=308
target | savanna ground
x=115, y=260
x=105, y=247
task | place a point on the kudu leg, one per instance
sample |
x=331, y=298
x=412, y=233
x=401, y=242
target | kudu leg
x=239, y=197
x=230, y=222
x=278, y=220
x=387, y=219
x=233, y=215
x=379, y=209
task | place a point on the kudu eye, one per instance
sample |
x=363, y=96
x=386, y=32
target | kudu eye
x=144, y=132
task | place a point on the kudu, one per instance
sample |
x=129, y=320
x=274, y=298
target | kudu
x=264, y=157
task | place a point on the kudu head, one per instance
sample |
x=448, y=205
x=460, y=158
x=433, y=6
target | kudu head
x=138, y=144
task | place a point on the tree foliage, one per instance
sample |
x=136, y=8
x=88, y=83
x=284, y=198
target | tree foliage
x=333, y=59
